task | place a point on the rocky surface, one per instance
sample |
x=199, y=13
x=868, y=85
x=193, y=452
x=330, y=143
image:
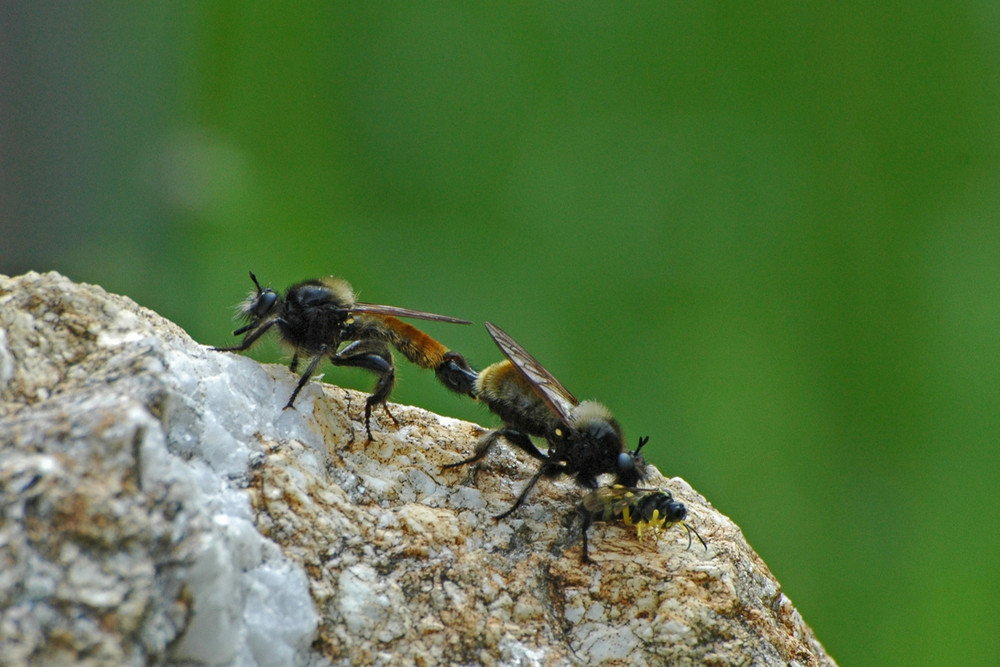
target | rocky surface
x=159, y=507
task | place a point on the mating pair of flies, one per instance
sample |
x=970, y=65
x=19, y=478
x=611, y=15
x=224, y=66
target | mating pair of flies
x=321, y=319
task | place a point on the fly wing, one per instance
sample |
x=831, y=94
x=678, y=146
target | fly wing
x=603, y=499
x=550, y=389
x=396, y=311
x=612, y=500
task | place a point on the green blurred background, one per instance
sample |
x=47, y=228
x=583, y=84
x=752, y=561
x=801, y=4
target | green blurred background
x=766, y=237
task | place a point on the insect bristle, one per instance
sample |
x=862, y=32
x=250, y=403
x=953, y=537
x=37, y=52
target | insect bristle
x=244, y=309
x=590, y=411
x=341, y=290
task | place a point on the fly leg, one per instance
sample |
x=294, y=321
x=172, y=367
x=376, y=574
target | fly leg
x=376, y=357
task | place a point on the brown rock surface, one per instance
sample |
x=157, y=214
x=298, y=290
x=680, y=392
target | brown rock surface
x=159, y=507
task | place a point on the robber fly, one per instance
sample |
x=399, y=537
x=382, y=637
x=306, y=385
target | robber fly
x=316, y=317
x=584, y=439
x=654, y=509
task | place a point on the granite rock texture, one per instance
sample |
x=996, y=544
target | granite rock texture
x=159, y=507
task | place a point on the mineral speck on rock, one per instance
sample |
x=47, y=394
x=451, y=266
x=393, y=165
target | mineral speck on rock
x=160, y=507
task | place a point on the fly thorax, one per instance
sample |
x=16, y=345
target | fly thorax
x=598, y=427
x=340, y=291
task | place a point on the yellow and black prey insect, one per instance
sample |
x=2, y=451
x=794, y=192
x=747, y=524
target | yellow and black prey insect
x=646, y=509
x=584, y=439
x=315, y=317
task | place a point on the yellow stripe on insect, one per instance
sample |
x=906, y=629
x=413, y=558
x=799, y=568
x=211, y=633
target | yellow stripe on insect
x=656, y=523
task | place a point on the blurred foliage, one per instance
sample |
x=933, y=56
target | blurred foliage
x=767, y=237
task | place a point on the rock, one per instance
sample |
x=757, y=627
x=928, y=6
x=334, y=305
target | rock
x=159, y=507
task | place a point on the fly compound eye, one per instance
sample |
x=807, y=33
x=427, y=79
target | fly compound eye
x=626, y=464
x=625, y=470
x=265, y=302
